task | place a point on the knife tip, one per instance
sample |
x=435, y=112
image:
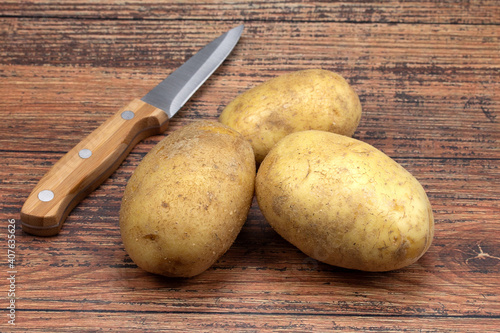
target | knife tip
x=239, y=28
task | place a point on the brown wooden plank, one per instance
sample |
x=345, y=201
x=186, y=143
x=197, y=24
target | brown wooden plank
x=202, y=322
x=95, y=275
x=413, y=102
x=427, y=11
x=429, y=49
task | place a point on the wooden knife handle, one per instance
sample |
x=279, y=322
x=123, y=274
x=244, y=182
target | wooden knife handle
x=87, y=165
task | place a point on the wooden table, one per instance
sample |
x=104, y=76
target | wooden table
x=428, y=76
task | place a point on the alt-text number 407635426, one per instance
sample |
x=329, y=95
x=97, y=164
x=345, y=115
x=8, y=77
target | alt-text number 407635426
x=11, y=271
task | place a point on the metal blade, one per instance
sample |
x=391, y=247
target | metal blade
x=171, y=94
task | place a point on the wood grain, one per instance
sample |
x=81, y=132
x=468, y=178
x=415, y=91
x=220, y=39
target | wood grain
x=427, y=74
x=420, y=12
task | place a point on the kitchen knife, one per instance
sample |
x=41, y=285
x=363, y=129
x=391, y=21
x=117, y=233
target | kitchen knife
x=97, y=156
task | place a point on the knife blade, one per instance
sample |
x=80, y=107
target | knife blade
x=97, y=156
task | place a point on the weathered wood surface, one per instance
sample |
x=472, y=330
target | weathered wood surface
x=426, y=11
x=428, y=76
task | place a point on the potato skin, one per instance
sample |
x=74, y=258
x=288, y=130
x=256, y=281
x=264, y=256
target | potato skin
x=188, y=199
x=313, y=99
x=343, y=202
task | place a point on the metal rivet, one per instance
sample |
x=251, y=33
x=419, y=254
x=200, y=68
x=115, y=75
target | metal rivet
x=127, y=115
x=46, y=195
x=85, y=153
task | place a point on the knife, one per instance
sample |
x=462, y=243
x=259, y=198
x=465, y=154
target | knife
x=97, y=156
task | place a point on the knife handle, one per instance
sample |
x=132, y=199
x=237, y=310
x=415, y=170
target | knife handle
x=87, y=165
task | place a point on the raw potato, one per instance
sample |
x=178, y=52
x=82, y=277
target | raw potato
x=312, y=99
x=188, y=199
x=343, y=202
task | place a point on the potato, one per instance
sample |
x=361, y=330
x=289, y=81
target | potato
x=312, y=99
x=188, y=199
x=343, y=202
